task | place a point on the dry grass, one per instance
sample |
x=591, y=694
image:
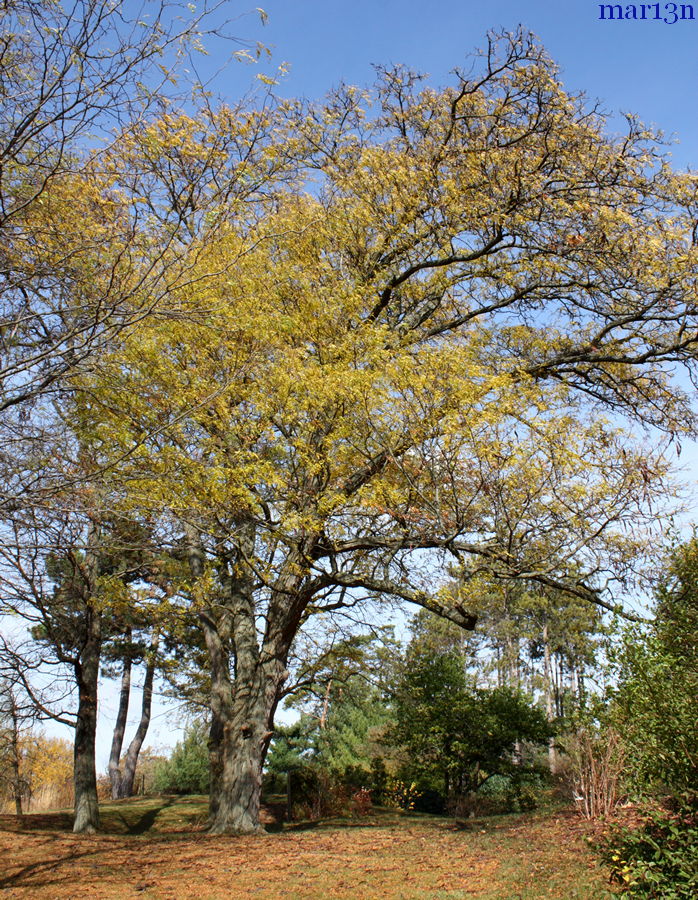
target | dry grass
x=156, y=850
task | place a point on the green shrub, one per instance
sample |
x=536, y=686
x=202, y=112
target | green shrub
x=317, y=793
x=499, y=794
x=454, y=734
x=654, y=702
x=187, y=769
x=659, y=859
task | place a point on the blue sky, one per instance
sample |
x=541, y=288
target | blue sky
x=645, y=67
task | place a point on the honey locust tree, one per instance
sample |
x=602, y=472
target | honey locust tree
x=415, y=351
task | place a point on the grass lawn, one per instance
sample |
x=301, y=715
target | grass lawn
x=156, y=849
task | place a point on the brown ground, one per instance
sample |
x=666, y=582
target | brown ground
x=387, y=855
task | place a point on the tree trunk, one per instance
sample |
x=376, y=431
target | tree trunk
x=326, y=705
x=134, y=748
x=249, y=715
x=581, y=690
x=560, y=687
x=221, y=711
x=243, y=701
x=215, y=623
x=16, y=755
x=120, y=728
x=85, y=775
x=245, y=742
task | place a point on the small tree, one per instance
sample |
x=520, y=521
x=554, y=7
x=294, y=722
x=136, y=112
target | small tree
x=456, y=736
x=13, y=727
x=187, y=769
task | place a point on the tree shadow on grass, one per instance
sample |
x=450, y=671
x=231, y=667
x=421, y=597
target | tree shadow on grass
x=307, y=825
x=41, y=867
x=147, y=820
x=125, y=817
x=378, y=817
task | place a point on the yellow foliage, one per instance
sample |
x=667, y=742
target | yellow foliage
x=402, y=324
x=51, y=762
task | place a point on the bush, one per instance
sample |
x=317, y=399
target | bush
x=361, y=803
x=317, y=793
x=504, y=794
x=654, y=703
x=454, y=734
x=596, y=764
x=659, y=859
x=399, y=794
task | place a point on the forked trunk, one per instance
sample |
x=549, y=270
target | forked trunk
x=119, y=729
x=243, y=701
x=134, y=748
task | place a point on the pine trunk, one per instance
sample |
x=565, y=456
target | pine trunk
x=119, y=730
x=134, y=748
x=549, y=706
x=326, y=705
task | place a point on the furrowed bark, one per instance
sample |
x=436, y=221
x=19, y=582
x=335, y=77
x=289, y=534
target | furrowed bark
x=215, y=624
x=221, y=707
x=241, y=707
x=260, y=672
x=245, y=742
